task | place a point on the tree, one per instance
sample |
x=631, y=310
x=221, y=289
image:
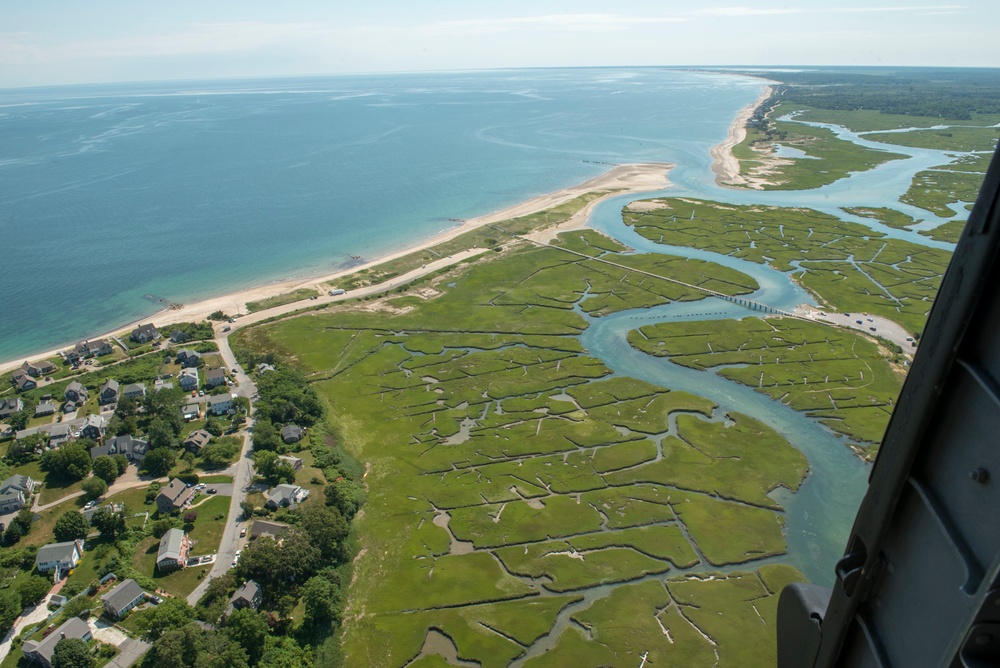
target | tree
x=220, y=454
x=188, y=458
x=346, y=496
x=190, y=517
x=33, y=589
x=71, y=653
x=322, y=600
x=25, y=449
x=70, y=462
x=327, y=529
x=19, y=420
x=247, y=628
x=93, y=488
x=285, y=653
x=10, y=608
x=71, y=525
x=213, y=426
x=161, y=434
x=265, y=436
x=106, y=469
x=173, y=613
x=273, y=469
x=18, y=527
x=246, y=508
x=127, y=407
x=110, y=522
x=121, y=461
x=177, y=647
x=159, y=462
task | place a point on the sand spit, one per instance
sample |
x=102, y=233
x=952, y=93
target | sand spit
x=724, y=163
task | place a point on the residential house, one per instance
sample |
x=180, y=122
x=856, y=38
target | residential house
x=220, y=404
x=109, y=392
x=247, y=596
x=187, y=358
x=188, y=379
x=11, y=500
x=100, y=450
x=264, y=367
x=59, y=556
x=23, y=381
x=134, y=391
x=41, y=651
x=295, y=462
x=174, y=496
x=285, y=496
x=292, y=433
x=19, y=482
x=76, y=392
x=191, y=412
x=92, y=348
x=177, y=336
x=39, y=369
x=215, y=377
x=9, y=406
x=45, y=408
x=197, y=441
x=133, y=448
x=59, y=434
x=266, y=528
x=94, y=427
x=122, y=598
x=173, y=553
x=144, y=333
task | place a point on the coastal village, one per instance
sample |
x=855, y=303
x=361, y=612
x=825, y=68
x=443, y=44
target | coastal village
x=128, y=485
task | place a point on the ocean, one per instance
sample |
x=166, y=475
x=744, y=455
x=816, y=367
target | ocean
x=110, y=194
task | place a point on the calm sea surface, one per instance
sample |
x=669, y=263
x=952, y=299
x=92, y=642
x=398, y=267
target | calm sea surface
x=187, y=190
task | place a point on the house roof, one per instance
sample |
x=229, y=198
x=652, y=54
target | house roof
x=219, y=399
x=100, y=450
x=170, y=545
x=133, y=388
x=57, y=552
x=215, y=374
x=187, y=373
x=11, y=494
x=145, y=330
x=95, y=421
x=291, y=431
x=266, y=528
x=110, y=384
x=126, y=443
x=282, y=493
x=291, y=460
x=176, y=492
x=246, y=592
x=45, y=407
x=198, y=438
x=123, y=594
x=76, y=386
x=71, y=628
x=17, y=481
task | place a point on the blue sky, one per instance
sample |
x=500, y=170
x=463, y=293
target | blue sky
x=45, y=42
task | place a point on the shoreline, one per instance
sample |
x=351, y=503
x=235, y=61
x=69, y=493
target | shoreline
x=724, y=163
x=621, y=179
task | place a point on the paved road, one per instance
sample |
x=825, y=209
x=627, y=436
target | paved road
x=242, y=473
x=131, y=651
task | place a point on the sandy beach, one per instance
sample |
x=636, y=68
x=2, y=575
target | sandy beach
x=724, y=163
x=629, y=178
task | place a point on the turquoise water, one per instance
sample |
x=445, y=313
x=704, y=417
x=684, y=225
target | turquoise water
x=194, y=189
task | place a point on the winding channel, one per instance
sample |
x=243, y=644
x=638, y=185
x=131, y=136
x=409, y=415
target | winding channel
x=819, y=516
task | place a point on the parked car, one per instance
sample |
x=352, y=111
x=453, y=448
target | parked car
x=211, y=490
x=872, y=328
x=243, y=532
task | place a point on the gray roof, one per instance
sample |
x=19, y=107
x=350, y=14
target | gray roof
x=133, y=388
x=291, y=431
x=12, y=494
x=175, y=492
x=100, y=450
x=282, y=494
x=123, y=594
x=71, y=628
x=56, y=552
x=76, y=386
x=219, y=399
x=170, y=545
x=213, y=374
x=246, y=592
x=266, y=528
x=45, y=407
x=17, y=481
x=110, y=384
x=198, y=438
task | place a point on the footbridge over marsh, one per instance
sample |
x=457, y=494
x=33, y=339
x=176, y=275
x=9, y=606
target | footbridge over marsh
x=749, y=304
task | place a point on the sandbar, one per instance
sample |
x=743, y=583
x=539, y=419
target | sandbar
x=724, y=163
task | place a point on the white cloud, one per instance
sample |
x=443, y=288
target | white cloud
x=775, y=11
x=563, y=22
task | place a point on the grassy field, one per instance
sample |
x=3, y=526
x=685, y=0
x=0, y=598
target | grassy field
x=835, y=375
x=505, y=464
x=281, y=300
x=937, y=190
x=848, y=266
